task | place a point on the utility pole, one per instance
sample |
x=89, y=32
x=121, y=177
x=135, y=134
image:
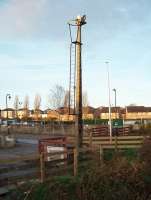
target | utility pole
x=78, y=22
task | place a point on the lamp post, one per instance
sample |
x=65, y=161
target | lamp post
x=19, y=103
x=109, y=99
x=114, y=90
x=116, y=128
x=115, y=102
x=8, y=96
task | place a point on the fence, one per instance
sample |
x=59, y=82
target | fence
x=103, y=130
x=107, y=142
x=40, y=167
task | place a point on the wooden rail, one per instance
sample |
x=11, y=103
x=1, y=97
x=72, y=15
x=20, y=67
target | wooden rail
x=106, y=140
x=17, y=170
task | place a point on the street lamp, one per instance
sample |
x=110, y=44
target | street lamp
x=116, y=128
x=114, y=90
x=109, y=96
x=8, y=96
x=19, y=103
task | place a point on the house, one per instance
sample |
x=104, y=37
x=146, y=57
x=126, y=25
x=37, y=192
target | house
x=97, y=113
x=137, y=112
x=22, y=113
x=88, y=112
x=35, y=114
x=52, y=115
x=44, y=114
x=115, y=112
x=66, y=114
x=8, y=113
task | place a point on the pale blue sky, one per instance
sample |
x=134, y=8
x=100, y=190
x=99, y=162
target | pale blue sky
x=34, y=48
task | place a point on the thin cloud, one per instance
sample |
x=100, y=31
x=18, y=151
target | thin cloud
x=20, y=17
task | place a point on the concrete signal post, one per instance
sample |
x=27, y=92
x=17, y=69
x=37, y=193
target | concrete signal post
x=78, y=23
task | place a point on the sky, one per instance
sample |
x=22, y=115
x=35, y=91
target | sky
x=34, y=49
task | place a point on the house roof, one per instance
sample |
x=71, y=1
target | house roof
x=138, y=109
x=88, y=110
x=8, y=109
x=148, y=109
x=135, y=109
x=64, y=110
x=97, y=112
x=113, y=109
x=22, y=109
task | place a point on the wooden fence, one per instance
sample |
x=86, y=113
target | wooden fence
x=39, y=167
x=104, y=130
x=35, y=167
x=110, y=142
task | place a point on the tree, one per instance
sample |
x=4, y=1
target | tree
x=37, y=104
x=85, y=102
x=16, y=105
x=57, y=95
x=26, y=107
x=66, y=99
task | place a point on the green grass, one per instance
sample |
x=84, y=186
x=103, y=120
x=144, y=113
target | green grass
x=129, y=154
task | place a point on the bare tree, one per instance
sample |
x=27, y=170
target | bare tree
x=37, y=104
x=16, y=105
x=26, y=107
x=85, y=104
x=66, y=99
x=57, y=95
x=26, y=102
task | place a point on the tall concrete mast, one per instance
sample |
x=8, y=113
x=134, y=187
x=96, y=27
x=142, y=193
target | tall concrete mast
x=78, y=111
x=78, y=22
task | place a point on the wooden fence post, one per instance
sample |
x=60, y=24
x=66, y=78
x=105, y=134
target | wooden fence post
x=75, y=161
x=42, y=168
x=101, y=154
x=116, y=143
x=90, y=140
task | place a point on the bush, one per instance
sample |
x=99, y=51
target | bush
x=117, y=180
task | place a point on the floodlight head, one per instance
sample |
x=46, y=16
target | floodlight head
x=81, y=20
x=8, y=96
x=84, y=18
x=78, y=17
